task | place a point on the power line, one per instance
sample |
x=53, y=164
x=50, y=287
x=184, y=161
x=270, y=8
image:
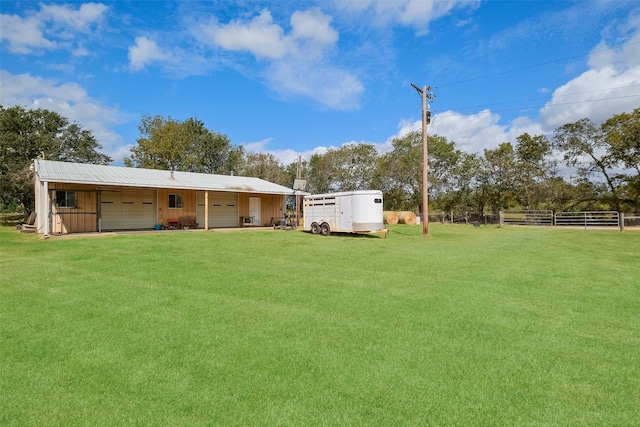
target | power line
x=528, y=67
x=552, y=105
x=546, y=97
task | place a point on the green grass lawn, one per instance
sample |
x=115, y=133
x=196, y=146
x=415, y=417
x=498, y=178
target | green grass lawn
x=471, y=326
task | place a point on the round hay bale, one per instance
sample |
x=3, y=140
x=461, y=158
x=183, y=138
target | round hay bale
x=390, y=217
x=407, y=217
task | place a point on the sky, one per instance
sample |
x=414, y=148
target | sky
x=293, y=78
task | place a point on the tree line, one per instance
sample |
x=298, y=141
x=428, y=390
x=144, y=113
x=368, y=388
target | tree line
x=581, y=166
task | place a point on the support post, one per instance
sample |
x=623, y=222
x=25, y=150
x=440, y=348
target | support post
x=206, y=210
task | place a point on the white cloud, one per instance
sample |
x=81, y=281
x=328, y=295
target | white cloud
x=260, y=36
x=24, y=35
x=330, y=86
x=68, y=99
x=413, y=13
x=313, y=25
x=144, y=52
x=472, y=133
x=80, y=20
x=610, y=86
x=297, y=63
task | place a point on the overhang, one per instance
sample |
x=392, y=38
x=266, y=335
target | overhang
x=82, y=173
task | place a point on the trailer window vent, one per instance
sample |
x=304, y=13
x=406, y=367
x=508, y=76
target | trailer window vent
x=321, y=202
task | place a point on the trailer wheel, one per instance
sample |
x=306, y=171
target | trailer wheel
x=315, y=228
x=325, y=230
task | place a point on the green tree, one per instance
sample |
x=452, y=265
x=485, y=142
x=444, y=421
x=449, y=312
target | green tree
x=461, y=197
x=188, y=146
x=445, y=162
x=533, y=169
x=348, y=168
x=267, y=167
x=623, y=137
x=28, y=134
x=498, y=178
x=399, y=173
x=584, y=147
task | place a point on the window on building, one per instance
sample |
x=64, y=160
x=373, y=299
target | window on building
x=175, y=201
x=66, y=199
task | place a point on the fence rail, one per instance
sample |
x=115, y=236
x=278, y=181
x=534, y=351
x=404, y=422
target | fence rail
x=541, y=218
x=594, y=219
x=588, y=219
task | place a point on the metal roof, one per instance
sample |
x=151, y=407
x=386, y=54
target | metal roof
x=81, y=173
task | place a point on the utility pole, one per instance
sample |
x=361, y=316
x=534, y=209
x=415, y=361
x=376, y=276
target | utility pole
x=425, y=93
x=299, y=175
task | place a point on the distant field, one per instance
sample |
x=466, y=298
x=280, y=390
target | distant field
x=471, y=326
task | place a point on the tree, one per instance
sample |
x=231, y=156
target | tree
x=348, y=168
x=533, y=169
x=28, y=134
x=623, y=136
x=399, y=173
x=498, y=178
x=461, y=195
x=267, y=167
x=584, y=146
x=186, y=146
x=444, y=165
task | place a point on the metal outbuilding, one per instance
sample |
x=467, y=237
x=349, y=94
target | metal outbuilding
x=77, y=197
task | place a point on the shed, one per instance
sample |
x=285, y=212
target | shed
x=78, y=197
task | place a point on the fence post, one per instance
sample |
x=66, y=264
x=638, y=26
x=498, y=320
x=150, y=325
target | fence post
x=501, y=220
x=621, y=220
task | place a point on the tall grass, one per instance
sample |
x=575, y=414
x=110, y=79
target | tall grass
x=471, y=326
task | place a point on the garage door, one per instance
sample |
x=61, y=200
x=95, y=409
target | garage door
x=128, y=209
x=223, y=210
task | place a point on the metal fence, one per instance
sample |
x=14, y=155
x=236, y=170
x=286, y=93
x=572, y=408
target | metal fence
x=540, y=218
x=594, y=219
x=601, y=219
x=630, y=220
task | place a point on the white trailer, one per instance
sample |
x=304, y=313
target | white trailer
x=347, y=212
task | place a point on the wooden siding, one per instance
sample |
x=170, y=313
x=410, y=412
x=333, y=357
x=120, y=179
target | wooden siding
x=80, y=219
x=188, y=205
x=84, y=217
x=271, y=206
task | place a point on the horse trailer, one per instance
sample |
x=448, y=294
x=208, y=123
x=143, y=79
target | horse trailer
x=346, y=212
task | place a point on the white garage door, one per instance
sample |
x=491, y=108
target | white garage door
x=128, y=209
x=223, y=210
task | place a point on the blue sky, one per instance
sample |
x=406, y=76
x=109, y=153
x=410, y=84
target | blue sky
x=297, y=77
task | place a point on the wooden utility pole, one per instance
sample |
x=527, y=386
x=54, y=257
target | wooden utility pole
x=298, y=196
x=425, y=93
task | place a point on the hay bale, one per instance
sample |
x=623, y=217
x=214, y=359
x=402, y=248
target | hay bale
x=407, y=217
x=390, y=217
